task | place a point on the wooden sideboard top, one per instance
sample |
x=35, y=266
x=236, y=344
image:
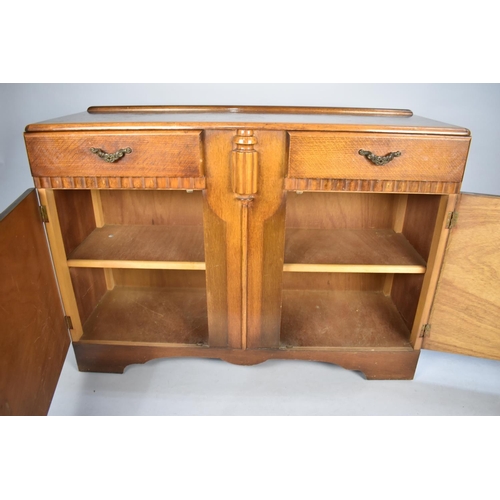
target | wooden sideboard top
x=401, y=121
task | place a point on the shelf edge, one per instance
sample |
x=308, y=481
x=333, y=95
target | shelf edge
x=137, y=264
x=353, y=268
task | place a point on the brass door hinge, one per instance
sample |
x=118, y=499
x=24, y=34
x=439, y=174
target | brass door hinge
x=43, y=213
x=69, y=323
x=425, y=330
x=452, y=220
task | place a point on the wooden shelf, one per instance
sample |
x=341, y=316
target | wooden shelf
x=141, y=247
x=149, y=315
x=350, y=250
x=358, y=319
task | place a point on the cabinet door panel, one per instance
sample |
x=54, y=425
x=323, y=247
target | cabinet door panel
x=34, y=339
x=465, y=316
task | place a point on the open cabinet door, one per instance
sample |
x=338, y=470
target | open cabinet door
x=465, y=316
x=34, y=338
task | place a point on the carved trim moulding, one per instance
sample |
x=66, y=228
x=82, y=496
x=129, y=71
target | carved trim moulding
x=375, y=186
x=245, y=161
x=120, y=182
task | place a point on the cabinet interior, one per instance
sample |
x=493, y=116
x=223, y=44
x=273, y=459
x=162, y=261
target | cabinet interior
x=354, y=266
x=137, y=265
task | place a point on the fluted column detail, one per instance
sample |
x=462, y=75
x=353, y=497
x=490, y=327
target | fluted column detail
x=244, y=164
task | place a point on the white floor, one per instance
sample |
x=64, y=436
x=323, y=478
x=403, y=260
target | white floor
x=444, y=384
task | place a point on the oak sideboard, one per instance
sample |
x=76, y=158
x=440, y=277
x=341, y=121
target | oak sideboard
x=243, y=233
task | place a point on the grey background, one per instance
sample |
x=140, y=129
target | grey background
x=444, y=384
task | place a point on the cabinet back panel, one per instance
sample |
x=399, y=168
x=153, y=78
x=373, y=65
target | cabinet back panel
x=159, y=278
x=172, y=208
x=340, y=210
x=333, y=281
x=76, y=216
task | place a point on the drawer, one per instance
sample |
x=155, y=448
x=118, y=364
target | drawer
x=320, y=155
x=152, y=154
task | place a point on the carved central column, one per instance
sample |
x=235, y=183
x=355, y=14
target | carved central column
x=244, y=183
x=244, y=164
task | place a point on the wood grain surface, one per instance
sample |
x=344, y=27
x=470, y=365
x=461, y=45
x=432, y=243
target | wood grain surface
x=266, y=238
x=118, y=182
x=375, y=364
x=341, y=318
x=380, y=250
x=147, y=314
x=371, y=186
x=465, y=316
x=340, y=210
x=418, y=228
x=167, y=208
x=159, y=278
x=323, y=155
x=244, y=266
x=58, y=252
x=434, y=264
x=222, y=226
x=142, y=243
x=34, y=338
x=76, y=216
x=420, y=221
x=166, y=154
x=133, y=118
x=89, y=287
x=251, y=109
x=333, y=281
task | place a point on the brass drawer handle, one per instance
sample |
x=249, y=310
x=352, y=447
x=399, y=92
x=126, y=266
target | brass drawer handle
x=111, y=157
x=379, y=160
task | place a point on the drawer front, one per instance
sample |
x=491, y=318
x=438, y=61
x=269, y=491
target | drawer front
x=153, y=154
x=320, y=155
